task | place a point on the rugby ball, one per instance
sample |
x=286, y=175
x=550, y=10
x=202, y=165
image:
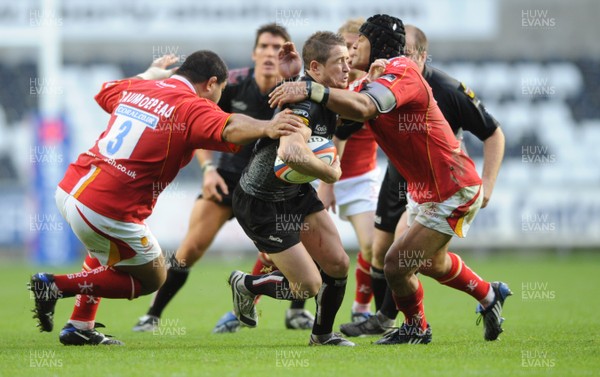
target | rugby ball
x=322, y=148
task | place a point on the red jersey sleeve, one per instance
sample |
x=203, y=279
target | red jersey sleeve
x=207, y=122
x=401, y=76
x=111, y=92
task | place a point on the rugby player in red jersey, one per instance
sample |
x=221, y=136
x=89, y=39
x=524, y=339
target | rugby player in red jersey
x=157, y=122
x=444, y=189
x=464, y=112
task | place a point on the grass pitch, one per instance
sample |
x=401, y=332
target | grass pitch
x=552, y=329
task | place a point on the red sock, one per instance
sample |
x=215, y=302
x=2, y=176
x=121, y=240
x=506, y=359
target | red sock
x=263, y=265
x=86, y=306
x=464, y=279
x=412, y=307
x=102, y=281
x=364, y=291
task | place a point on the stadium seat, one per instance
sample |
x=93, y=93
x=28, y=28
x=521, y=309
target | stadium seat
x=497, y=81
x=566, y=79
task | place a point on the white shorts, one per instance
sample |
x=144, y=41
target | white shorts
x=453, y=216
x=113, y=242
x=357, y=194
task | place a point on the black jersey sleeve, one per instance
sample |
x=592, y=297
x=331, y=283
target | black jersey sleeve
x=471, y=114
x=347, y=128
x=304, y=110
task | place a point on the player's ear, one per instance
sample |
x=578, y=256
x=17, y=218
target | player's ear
x=212, y=83
x=314, y=66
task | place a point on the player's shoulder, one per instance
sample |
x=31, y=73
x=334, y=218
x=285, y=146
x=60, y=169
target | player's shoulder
x=114, y=84
x=440, y=78
x=398, y=68
x=401, y=64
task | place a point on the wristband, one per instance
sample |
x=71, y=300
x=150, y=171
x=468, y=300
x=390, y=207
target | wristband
x=155, y=73
x=206, y=165
x=318, y=93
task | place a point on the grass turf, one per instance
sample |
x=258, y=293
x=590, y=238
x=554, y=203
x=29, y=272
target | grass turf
x=552, y=328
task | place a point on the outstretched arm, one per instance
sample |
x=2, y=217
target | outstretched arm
x=242, y=129
x=349, y=105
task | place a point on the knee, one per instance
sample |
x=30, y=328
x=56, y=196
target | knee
x=390, y=263
x=191, y=251
x=153, y=283
x=339, y=266
x=307, y=288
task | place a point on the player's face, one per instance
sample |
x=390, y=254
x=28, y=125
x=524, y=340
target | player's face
x=411, y=51
x=361, y=53
x=350, y=39
x=335, y=71
x=265, y=54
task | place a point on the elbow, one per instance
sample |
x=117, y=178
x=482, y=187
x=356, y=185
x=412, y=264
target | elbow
x=230, y=135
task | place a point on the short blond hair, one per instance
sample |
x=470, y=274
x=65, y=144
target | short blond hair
x=352, y=25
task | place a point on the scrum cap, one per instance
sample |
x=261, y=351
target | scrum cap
x=386, y=35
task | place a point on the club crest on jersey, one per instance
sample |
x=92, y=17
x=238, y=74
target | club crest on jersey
x=467, y=90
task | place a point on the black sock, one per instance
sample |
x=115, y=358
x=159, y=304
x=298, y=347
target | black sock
x=273, y=285
x=329, y=299
x=379, y=285
x=176, y=277
x=298, y=304
x=388, y=308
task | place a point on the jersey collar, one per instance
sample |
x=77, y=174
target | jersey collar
x=185, y=81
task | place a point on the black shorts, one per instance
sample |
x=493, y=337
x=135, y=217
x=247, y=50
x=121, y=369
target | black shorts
x=231, y=180
x=275, y=226
x=392, y=200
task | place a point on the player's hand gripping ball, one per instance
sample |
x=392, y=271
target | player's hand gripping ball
x=322, y=148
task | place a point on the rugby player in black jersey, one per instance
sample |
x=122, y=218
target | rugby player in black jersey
x=246, y=93
x=288, y=221
x=463, y=111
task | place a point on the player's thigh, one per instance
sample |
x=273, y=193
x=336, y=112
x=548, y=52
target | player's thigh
x=299, y=268
x=323, y=243
x=364, y=229
x=206, y=220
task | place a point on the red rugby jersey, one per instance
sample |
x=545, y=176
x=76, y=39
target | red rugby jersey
x=154, y=128
x=360, y=153
x=417, y=138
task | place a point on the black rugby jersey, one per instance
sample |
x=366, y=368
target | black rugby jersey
x=259, y=179
x=242, y=96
